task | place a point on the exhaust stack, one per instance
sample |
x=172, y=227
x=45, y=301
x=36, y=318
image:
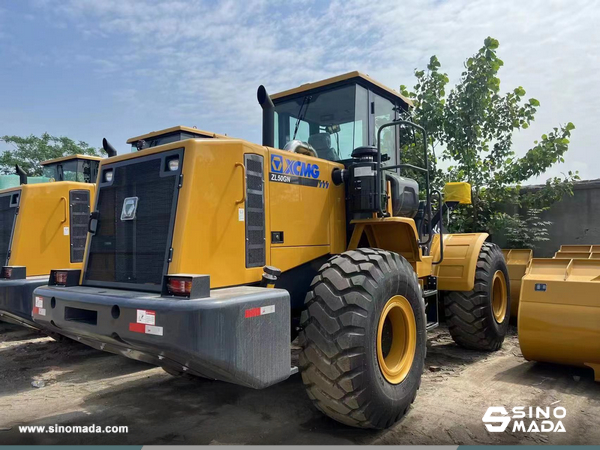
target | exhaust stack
x=22, y=175
x=108, y=148
x=268, y=131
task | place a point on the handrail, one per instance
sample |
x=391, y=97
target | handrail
x=411, y=166
x=441, y=222
x=65, y=210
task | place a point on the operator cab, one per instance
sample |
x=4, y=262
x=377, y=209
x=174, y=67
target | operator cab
x=166, y=136
x=337, y=115
x=80, y=168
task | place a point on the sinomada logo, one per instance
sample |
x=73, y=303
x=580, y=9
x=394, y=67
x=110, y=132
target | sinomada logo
x=528, y=419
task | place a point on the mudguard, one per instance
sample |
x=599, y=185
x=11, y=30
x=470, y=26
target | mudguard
x=461, y=252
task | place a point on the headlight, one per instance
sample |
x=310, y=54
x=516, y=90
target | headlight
x=173, y=164
x=108, y=175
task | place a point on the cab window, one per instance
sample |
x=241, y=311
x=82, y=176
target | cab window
x=385, y=112
x=334, y=122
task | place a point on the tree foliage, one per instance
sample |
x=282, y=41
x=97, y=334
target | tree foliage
x=522, y=231
x=473, y=125
x=28, y=152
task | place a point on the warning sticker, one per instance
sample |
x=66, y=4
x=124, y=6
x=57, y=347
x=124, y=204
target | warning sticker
x=147, y=317
x=42, y=312
x=39, y=302
x=158, y=331
x=267, y=310
x=66, y=231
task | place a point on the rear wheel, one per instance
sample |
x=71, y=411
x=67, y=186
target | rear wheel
x=478, y=319
x=363, y=338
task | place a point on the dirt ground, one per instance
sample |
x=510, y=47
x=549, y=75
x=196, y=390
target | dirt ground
x=82, y=386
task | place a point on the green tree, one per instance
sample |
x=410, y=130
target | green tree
x=473, y=126
x=28, y=152
x=521, y=231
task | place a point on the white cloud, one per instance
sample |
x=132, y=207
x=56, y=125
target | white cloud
x=209, y=58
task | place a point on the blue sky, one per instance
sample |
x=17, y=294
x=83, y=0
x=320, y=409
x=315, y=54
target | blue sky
x=90, y=69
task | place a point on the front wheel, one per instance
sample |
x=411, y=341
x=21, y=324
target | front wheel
x=363, y=338
x=479, y=319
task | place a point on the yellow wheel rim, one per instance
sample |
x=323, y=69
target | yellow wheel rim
x=396, y=339
x=499, y=297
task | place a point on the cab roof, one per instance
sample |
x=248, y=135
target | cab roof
x=70, y=157
x=350, y=76
x=175, y=129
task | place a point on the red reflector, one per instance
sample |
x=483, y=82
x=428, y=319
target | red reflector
x=60, y=277
x=254, y=312
x=179, y=286
x=137, y=327
x=6, y=272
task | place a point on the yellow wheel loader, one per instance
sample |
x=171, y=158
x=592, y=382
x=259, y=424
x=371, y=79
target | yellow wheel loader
x=209, y=255
x=43, y=225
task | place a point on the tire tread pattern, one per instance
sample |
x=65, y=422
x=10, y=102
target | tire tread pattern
x=468, y=314
x=333, y=328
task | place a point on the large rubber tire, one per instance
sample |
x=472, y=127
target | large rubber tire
x=470, y=315
x=339, y=329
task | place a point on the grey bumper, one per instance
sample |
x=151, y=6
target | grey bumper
x=240, y=335
x=16, y=299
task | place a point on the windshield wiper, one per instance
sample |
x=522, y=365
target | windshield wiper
x=300, y=114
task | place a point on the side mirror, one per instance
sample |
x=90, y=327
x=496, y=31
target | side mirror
x=457, y=192
x=93, y=222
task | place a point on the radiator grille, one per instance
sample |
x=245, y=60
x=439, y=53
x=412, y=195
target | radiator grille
x=79, y=212
x=134, y=251
x=255, y=211
x=8, y=210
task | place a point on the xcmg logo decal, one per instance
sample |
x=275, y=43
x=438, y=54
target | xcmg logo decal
x=292, y=171
x=287, y=166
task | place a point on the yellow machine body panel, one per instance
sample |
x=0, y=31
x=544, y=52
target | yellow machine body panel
x=461, y=252
x=42, y=234
x=397, y=234
x=152, y=134
x=517, y=262
x=559, y=312
x=308, y=212
x=71, y=157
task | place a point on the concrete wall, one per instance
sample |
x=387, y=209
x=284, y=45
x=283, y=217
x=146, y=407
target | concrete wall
x=575, y=219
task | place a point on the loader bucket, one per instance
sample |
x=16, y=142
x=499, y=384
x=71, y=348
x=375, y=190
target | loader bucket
x=576, y=248
x=571, y=255
x=517, y=261
x=559, y=313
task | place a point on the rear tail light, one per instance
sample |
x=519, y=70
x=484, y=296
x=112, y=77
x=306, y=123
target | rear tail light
x=179, y=286
x=64, y=277
x=186, y=286
x=60, y=278
x=13, y=272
